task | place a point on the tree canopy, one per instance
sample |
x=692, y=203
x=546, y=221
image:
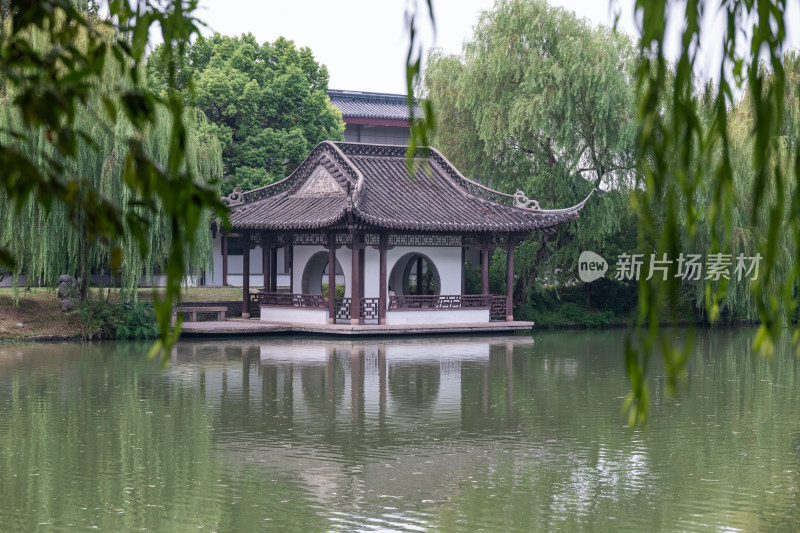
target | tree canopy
x=53, y=59
x=267, y=103
x=541, y=101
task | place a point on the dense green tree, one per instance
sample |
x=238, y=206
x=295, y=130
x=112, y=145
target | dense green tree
x=540, y=101
x=268, y=103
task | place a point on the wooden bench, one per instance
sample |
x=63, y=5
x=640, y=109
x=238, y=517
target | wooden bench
x=220, y=310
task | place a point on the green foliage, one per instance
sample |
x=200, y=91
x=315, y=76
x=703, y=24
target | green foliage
x=55, y=63
x=713, y=169
x=98, y=319
x=472, y=278
x=591, y=305
x=126, y=320
x=541, y=102
x=267, y=103
x=338, y=290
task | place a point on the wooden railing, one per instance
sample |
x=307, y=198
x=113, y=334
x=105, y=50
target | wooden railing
x=498, y=309
x=342, y=308
x=436, y=301
x=287, y=299
x=370, y=307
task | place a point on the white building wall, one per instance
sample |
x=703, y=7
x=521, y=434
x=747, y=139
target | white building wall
x=344, y=256
x=447, y=261
x=437, y=316
x=235, y=266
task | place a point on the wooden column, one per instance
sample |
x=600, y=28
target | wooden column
x=245, y=275
x=510, y=280
x=362, y=266
x=463, y=270
x=382, y=287
x=419, y=275
x=288, y=257
x=485, y=264
x=266, y=248
x=355, y=285
x=331, y=278
x=224, y=239
x=273, y=270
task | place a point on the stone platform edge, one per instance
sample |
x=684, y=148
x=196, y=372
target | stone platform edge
x=254, y=327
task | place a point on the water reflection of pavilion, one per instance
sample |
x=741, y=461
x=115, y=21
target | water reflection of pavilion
x=371, y=379
x=344, y=418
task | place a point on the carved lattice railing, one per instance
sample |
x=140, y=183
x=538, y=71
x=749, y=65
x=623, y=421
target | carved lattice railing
x=498, y=309
x=370, y=307
x=287, y=299
x=342, y=308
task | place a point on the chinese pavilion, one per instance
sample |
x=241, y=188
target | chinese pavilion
x=352, y=215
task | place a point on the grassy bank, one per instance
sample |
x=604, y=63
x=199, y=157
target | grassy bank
x=39, y=310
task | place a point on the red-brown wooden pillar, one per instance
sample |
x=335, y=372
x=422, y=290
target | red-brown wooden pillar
x=484, y=264
x=288, y=258
x=419, y=275
x=224, y=240
x=273, y=270
x=245, y=275
x=266, y=246
x=355, y=289
x=510, y=280
x=463, y=270
x=331, y=278
x=382, y=287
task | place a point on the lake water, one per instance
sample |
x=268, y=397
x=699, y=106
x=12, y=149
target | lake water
x=450, y=433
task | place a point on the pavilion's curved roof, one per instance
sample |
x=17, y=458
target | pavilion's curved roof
x=369, y=184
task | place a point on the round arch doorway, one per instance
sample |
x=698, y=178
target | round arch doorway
x=415, y=273
x=315, y=274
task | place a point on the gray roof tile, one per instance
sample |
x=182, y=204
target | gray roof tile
x=438, y=198
x=372, y=105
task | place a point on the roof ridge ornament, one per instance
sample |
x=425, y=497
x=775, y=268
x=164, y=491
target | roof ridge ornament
x=234, y=198
x=521, y=201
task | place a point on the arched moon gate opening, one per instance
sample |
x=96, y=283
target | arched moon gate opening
x=415, y=273
x=316, y=273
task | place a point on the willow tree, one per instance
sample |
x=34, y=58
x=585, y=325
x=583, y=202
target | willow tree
x=541, y=101
x=745, y=232
x=109, y=149
x=672, y=130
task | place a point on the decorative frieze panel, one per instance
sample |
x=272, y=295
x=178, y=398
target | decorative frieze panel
x=310, y=239
x=418, y=241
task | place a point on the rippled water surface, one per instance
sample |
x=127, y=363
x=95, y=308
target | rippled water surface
x=450, y=434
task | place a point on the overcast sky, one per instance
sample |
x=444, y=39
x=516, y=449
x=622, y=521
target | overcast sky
x=364, y=42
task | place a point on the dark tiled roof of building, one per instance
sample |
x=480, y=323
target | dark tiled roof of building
x=369, y=184
x=354, y=104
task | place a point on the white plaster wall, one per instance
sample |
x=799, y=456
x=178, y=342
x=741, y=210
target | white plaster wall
x=288, y=314
x=446, y=260
x=235, y=266
x=344, y=256
x=437, y=316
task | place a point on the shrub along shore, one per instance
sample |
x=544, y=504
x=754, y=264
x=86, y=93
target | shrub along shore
x=601, y=304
